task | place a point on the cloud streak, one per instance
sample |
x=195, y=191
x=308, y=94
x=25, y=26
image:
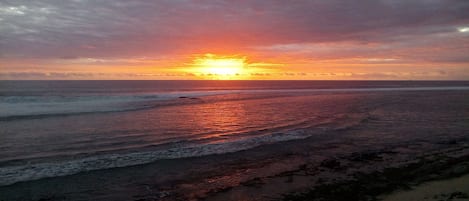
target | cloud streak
x=410, y=32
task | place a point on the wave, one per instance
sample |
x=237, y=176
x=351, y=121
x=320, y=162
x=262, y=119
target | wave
x=13, y=174
x=26, y=107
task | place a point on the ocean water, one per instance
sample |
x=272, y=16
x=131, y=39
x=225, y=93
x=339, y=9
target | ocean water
x=57, y=128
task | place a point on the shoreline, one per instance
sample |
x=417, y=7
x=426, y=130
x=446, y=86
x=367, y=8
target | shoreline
x=447, y=189
x=381, y=138
x=373, y=173
x=392, y=182
x=358, y=176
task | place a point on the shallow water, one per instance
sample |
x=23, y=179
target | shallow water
x=56, y=128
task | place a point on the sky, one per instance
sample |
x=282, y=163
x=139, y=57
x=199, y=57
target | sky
x=226, y=39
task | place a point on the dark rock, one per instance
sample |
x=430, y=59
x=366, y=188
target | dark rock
x=458, y=195
x=331, y=163
x=253, y=182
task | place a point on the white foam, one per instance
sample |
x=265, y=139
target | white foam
x=13, y=174
x=50, y=105
x=18, y=106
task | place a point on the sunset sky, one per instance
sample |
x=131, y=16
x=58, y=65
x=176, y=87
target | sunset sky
x=182, y=39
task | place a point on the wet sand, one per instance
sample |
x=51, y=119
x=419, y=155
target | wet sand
x=389, y=142
x=450, y=189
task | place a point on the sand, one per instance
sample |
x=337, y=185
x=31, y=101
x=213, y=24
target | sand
x=450, y=189
x=394, y=142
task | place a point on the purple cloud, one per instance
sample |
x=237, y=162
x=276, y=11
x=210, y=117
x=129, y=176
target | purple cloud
x=369, y=31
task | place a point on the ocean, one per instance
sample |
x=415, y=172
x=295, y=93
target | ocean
x=58, y=128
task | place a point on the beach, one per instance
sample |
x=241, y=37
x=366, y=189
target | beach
x=222, y=100
x=325, y=145
x=450, y=189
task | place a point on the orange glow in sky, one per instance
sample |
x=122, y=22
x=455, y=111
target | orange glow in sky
x=228, y=40
x=218, y=67
x=221, y=68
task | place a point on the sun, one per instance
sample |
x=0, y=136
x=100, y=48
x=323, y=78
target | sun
x=222, y=66
x=219, y=67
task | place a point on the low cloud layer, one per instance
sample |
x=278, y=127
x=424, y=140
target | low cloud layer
x=398, y=31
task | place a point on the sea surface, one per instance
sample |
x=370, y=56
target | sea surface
x=58, y=128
